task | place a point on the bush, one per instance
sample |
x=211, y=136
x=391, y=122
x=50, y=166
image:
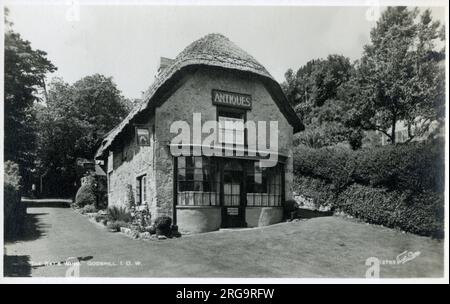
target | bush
x=289, y=208
x=289, y=205
x=151, y=229
x=162, y=225
x=416, y=166
x=85, y=196
x=116, y=225
x=89, y=209
x=14, y=209
x=129, y=196
x=323, y=193
x=397, y=185
x=422, y=214
x=99, y=218
x=115, y=213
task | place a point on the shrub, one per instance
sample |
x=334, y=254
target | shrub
x=85, y=196
x=14, y=209
x=116, y=225
x=162, y=225
x=115, y=213
x=397, y=185
x=129, y=196
x=334, y=165
x=151, y=229
x=99, y=218
x=289, y=205
x=289, y=208
x=422, y=214
x=322, y=192
x=89, y=209
x=416, y=166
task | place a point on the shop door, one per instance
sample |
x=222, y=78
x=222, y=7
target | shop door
x=233, y=208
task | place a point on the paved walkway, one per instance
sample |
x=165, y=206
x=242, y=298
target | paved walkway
x=320, y=247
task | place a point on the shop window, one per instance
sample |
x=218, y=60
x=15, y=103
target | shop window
x=264, y=185
x=141, y=190
x=197, y=181
x=231, y=127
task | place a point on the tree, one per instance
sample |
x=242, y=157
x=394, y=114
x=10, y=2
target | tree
x=74, y=121
x=398, y=76
x=25, y=71
x=314, y=91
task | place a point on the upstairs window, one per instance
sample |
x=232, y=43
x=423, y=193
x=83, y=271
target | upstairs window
x=231, y=127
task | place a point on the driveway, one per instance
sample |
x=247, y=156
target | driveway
x=319, y=247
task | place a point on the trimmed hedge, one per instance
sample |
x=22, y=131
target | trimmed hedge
x=397, y=186
x=417, y=166
x=422, y=214
x=321, y=191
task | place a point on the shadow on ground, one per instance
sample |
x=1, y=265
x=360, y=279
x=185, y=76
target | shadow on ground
x=307, y=214
x=48, y=204
x=33, y=229
x=16, y=266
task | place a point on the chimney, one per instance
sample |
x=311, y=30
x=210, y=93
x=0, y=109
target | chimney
x=164, y=63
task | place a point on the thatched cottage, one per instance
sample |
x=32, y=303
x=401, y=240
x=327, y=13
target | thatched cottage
x=210, y=80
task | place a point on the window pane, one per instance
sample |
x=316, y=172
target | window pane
x=181, y=162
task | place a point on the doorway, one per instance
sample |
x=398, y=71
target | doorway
x=234, y=194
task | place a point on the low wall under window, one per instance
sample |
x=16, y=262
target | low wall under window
x=196, y=219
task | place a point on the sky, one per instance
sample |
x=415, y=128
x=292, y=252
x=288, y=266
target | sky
x=126, y=42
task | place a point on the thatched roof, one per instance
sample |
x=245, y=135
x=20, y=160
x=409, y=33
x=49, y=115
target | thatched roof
x=213, y=50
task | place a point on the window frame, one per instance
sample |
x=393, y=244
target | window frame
x=220, y=110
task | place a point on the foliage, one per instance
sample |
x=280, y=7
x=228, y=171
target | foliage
x=85, y=196
x=89, y=209
x=142, y=219
x=422, y=214
x=115, y=213
x=99, y=218
x=116, y=225
x=24, y=71
x=315, y=92
x=74, y=121
x=396, y=186
x=14, y=209
x=398, y=77
x=415, y=167
x=290, y=205
x=163, y=225
x=129, y=196
x=319, y=190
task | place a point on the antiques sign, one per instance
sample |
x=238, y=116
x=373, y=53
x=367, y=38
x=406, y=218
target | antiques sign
x=230, y=99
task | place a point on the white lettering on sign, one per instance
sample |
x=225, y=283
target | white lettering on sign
x=231, y=99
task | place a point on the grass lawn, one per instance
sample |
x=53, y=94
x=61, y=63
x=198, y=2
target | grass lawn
x=332, y=247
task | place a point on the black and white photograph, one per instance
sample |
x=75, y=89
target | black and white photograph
x=224, y=142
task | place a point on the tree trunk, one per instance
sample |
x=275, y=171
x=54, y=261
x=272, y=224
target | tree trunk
x=393, y=138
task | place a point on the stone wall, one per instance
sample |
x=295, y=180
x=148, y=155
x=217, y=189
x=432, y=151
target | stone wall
x=130, y=162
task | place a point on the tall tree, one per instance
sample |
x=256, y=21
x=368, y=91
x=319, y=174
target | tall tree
x=74, y=121
x=25, y=71
x=398, y=78
x=314, y=91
